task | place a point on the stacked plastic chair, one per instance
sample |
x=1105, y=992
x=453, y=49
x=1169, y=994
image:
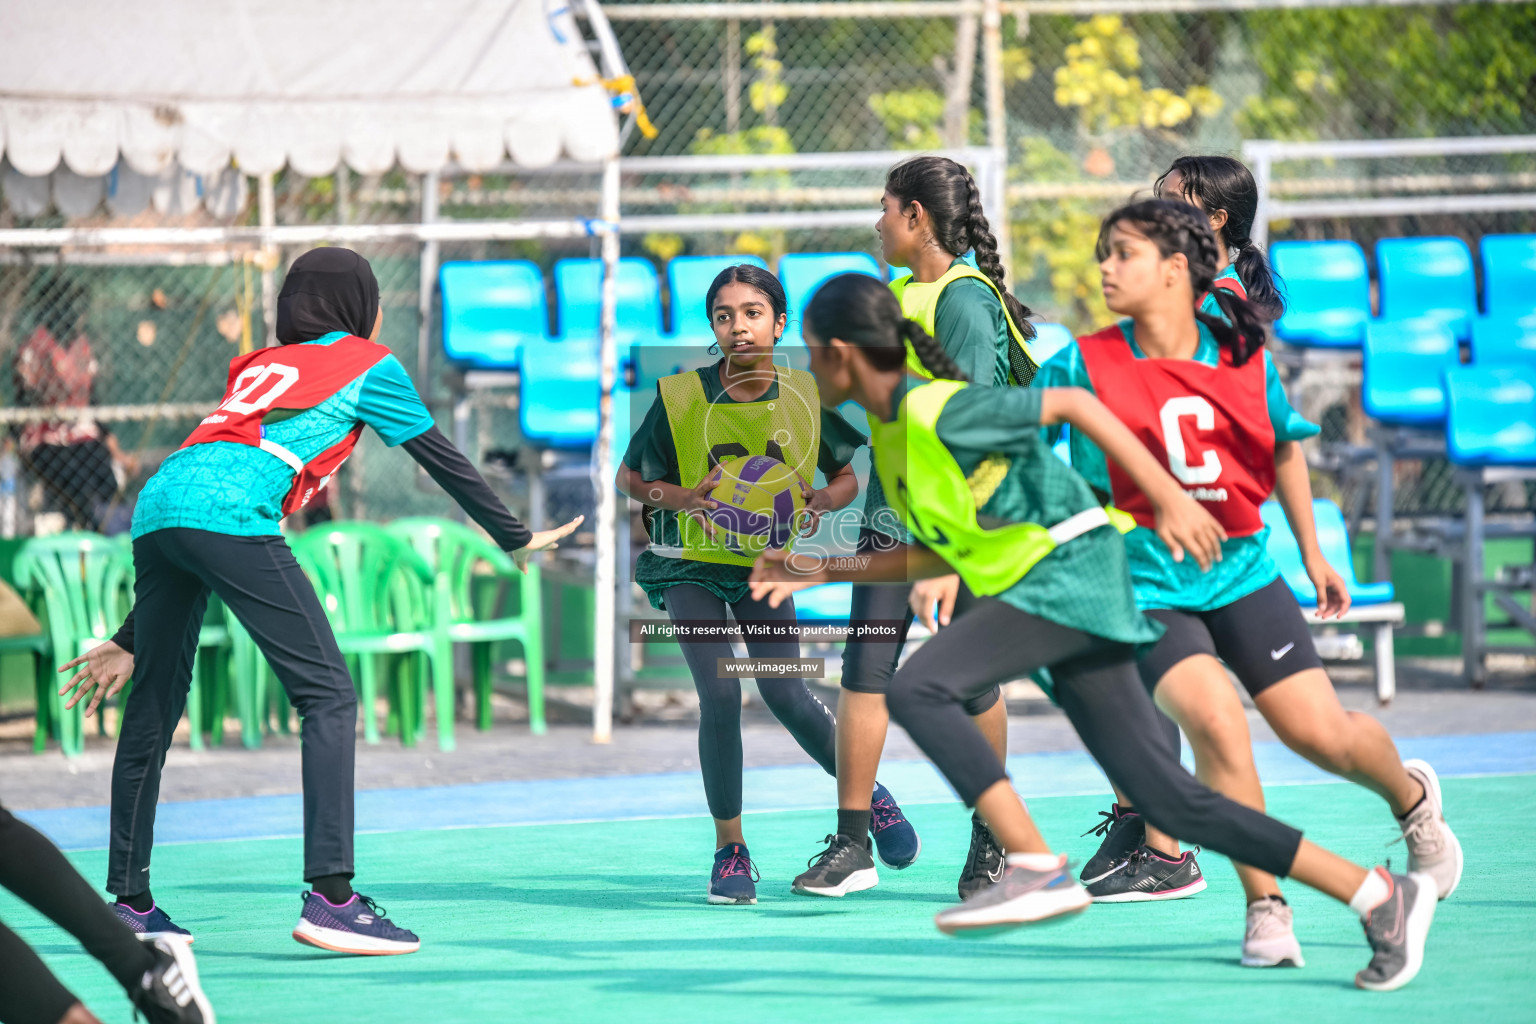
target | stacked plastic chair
x=1490, y=439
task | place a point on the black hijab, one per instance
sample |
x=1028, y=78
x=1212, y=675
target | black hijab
x=327, y=289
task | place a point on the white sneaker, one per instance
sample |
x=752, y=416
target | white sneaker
x=1433, y=848
x=1270, y=940
x=1019, y=896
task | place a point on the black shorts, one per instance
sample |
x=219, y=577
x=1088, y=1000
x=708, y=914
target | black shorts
x=1262, y=637
x=868, y=667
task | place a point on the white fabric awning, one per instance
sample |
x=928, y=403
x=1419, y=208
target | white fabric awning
x=307, y=83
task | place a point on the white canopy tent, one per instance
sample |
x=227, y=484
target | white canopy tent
x=99, y=96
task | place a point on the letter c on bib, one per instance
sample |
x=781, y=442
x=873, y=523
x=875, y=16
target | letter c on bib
x=1209, y=470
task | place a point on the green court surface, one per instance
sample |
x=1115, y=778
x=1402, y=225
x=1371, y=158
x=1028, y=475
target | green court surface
x=607, y=922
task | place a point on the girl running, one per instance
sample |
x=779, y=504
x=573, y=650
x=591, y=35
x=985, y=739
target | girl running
x=931, y=215
x=208, y=521
x=1201, y=394
x=741, y=405
x=972, y=478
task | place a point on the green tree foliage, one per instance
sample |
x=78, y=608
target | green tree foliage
x=1385, y=72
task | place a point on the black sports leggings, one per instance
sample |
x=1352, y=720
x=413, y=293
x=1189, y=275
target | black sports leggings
x=868, y=667
x=808, y=720
x=34, y=869
x=1098, y=687
x=261, y=584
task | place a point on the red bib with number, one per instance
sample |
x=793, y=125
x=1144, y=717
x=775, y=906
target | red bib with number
x=1209, y=425
x=289, y=377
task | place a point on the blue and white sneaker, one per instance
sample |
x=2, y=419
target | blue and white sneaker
x=356, y=926
x=733, y=875
x=896, y=841
x=151, y=924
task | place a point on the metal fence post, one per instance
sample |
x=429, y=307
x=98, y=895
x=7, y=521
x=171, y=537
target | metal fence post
x=997, y=118
x=605, y=608
x=266, y=201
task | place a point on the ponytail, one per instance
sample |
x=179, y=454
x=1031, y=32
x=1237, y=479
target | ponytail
x=1259, y=280
x=1242, y=332
x=929, y=352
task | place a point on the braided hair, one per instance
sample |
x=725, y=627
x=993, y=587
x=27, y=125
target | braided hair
x=1176, y=227
x=953, y=201
x=1222, y=183
x=863, y=312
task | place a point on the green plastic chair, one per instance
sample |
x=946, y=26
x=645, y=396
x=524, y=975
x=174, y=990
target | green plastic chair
x=466, y=560
x=82, y=584
x=383, y=599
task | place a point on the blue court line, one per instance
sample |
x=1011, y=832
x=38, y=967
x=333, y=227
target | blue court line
x=681, y=794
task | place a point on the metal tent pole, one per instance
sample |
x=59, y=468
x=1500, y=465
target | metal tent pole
x=997, y=122
x=266, y=201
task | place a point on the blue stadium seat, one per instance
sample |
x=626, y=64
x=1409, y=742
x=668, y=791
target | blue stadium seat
x=1427, y=277
x=490, y=310
x=579, y=296
x=557, y=406
x=1492, y=415
x=1050, y=339
x=1333, y=539
x=1327, y=293
x=1404, y=365
x=688, y=281
x=803, y=273
x=1509, y=274
x=829, y=602
x=1504, y=341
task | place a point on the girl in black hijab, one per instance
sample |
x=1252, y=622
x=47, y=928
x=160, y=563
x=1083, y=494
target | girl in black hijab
x=208, y=521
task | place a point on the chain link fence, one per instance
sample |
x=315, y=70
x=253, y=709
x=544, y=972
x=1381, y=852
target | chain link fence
x=1095, y=106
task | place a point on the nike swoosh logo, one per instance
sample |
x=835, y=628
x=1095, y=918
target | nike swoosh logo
x=1282, y=652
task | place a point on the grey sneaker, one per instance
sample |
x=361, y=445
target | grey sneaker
x=984, y=862
x=1270, y=939
x=844, y=866
x=1020, y=896
x=1396, y=931
x=1432, y=847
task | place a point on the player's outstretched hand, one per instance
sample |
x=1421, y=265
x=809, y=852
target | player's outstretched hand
x=1186, y=527
x=106, y=670
x=1333, y=598
x=939, y=591
x=773, y=579
x=544, y=540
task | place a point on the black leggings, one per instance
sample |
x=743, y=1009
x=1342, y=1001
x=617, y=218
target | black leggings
x=261, y=584
x=34, y=869
x=808, y=720
x=868, y=667
x=1098, y=687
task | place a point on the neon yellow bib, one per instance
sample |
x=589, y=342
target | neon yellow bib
x=787, y=428
x=920, y=302
x=939, y=503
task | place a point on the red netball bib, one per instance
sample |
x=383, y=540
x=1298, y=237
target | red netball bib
x=1209, y=425
x=289, y=377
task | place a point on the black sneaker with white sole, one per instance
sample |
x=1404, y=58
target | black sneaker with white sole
x=1397, y=930
x=845, y=866
x=1123, y=831
x=984, y=862
x=169, y=992
x=1146, y=875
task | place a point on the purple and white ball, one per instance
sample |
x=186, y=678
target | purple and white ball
x=759, y=504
